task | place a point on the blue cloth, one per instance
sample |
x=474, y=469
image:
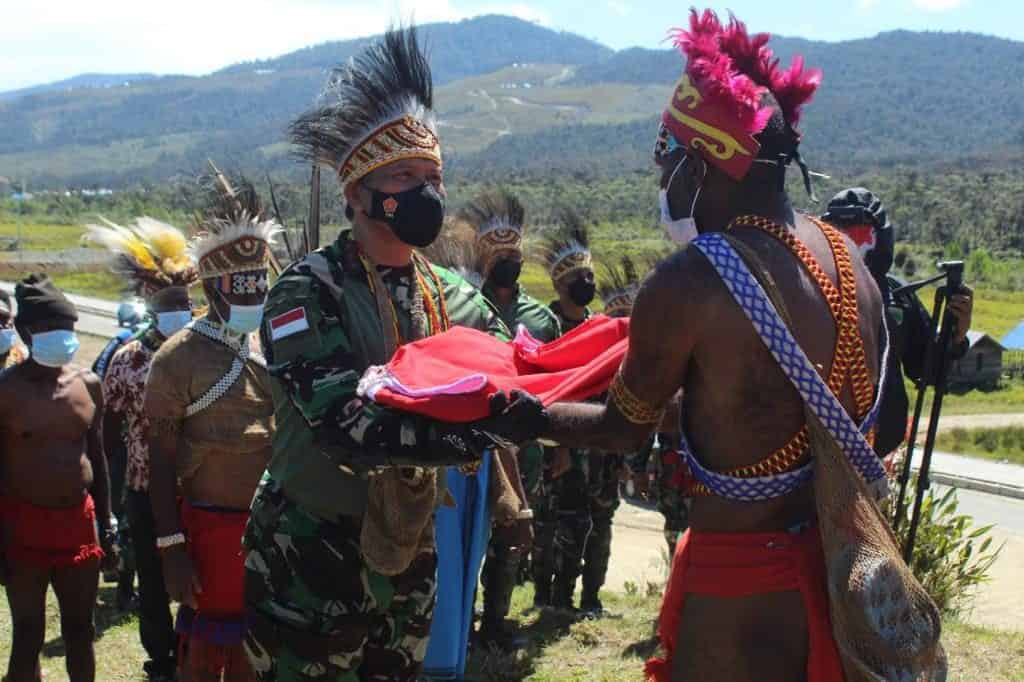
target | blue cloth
x=463, y=532
x=99, y=367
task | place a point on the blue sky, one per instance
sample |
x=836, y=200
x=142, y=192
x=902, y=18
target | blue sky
x=47, y=40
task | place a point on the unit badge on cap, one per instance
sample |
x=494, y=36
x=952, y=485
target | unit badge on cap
x=390, y=205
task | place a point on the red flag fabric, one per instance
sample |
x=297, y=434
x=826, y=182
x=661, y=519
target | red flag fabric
x=451, y=376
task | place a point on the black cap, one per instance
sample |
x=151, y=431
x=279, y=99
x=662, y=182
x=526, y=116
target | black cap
x=856, y=206
x=39, y=299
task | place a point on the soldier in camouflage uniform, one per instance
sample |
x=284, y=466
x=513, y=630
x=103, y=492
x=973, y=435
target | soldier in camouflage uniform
x=566, y=522
x=341, y=559
x=604, y=470
x=499, y=219
x=669, y=487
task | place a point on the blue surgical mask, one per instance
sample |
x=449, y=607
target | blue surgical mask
x=245, y=319
x=7, y=339
x=54, y=349
x=169, y=323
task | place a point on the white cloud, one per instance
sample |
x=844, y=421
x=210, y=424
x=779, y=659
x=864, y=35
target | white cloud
x=619, y=8
x=938, y=5
x=46, y=41
x=867, y=4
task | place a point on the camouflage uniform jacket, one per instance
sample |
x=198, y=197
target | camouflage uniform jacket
x=322, y=331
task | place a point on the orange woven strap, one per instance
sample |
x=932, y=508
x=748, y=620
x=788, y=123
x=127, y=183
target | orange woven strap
x=849, y=359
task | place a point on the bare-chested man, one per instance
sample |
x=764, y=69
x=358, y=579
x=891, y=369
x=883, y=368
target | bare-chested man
x=210, y=412
x=750, y=592
x=54, y=489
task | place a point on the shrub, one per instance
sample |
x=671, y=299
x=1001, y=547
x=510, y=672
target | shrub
x=951, y=556
x=987, y=439
x=910, y=267
x=901, y=258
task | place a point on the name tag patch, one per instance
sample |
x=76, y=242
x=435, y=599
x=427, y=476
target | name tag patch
x=288, y=323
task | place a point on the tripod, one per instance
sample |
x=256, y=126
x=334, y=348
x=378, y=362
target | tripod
x=938, y=358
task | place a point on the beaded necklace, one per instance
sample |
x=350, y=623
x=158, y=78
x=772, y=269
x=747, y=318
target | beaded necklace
x=240, y=346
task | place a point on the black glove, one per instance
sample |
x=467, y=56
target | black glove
x=515, y=419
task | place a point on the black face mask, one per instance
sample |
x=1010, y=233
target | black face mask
x=415, y=215
x=582, y=292
x=505, y=273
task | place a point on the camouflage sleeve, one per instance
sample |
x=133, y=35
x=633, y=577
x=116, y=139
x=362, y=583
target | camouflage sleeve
x=310, y=357
x=468, y=307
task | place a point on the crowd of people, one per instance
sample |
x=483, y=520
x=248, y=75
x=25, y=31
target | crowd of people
x=232, y=458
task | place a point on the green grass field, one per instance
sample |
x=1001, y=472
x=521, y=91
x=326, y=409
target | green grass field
x=560, y=649
x=1000, y=445
x=42, y=236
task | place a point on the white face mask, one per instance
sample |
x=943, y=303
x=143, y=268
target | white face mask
x=682, y=230
x=171, y=322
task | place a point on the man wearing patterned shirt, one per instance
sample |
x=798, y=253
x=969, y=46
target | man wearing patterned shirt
x=162, y=277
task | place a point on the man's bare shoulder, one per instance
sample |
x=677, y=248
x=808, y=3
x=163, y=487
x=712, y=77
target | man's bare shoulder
x=685, y=279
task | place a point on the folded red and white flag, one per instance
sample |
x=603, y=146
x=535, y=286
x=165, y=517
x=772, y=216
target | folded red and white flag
x=451, y=376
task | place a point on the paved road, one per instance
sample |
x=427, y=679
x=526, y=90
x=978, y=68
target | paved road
x=95, y=316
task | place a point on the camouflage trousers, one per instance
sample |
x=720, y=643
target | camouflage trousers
x=542, y=555
x=571, y=537
x=595, y=558
x=317, y=611
x=499, y=577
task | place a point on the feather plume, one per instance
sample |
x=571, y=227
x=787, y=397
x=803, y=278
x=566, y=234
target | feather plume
x=149, y=255
x=495, y=209
x=388, y=80
x=619, y=286
x=734, y=69
x=229, y=209
x=569, y=237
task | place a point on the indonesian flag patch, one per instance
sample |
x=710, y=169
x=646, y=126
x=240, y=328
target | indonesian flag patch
x=286, y=324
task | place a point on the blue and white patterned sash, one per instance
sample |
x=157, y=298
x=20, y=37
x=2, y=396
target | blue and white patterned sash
x=751, y=297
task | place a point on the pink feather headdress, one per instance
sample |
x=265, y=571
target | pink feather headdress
x=717, y=106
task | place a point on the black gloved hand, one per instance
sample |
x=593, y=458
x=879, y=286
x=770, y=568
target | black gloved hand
x=515, y=418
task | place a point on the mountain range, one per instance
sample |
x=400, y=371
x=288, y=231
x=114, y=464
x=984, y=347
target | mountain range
x=517, y=98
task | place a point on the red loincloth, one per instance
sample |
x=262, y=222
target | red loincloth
x=215, y=546
x=745, y=564
x=451, y=376
x=47, y=537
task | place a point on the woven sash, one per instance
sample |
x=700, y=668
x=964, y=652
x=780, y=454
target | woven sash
x=751, y=297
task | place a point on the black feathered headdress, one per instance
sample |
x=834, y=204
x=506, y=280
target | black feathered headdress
x=376, y=109
x=498, y=217
x=566, y=249
x=619, y=287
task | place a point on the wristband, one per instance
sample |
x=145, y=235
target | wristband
x=168, y=541
x=524, y=515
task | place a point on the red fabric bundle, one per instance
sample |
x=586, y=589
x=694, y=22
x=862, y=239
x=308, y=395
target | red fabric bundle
x=452, y=376
x=744, y=564
x=46, y=537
